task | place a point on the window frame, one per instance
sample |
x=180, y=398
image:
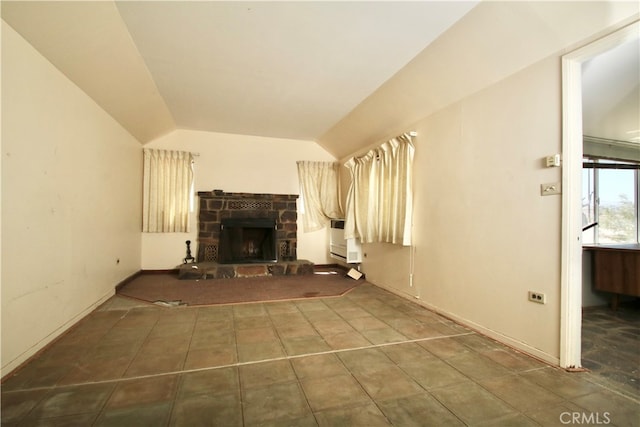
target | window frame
x=597, y=165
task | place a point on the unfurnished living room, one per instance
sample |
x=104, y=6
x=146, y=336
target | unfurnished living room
x=320, y=213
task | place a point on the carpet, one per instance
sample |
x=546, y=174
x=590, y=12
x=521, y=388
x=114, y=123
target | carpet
x=167, y=289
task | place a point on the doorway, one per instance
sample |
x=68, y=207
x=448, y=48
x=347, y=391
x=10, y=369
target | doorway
x=572, y=148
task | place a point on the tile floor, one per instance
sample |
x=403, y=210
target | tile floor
x=611, y=345
x=365, y=359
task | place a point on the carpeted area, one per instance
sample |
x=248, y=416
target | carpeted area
x=167, y=288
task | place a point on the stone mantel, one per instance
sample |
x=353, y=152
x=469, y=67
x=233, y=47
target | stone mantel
x=217, y=205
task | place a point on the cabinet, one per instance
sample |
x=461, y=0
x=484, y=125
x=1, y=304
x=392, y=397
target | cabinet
x=616, y=269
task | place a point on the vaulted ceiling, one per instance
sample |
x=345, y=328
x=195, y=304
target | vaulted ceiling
x=611, y=94
x=300, y=69
x=276, y=69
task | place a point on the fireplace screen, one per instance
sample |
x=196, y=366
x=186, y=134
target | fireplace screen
x=247, y=240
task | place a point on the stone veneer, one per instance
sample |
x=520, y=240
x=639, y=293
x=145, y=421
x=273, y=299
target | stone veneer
x=217, y=205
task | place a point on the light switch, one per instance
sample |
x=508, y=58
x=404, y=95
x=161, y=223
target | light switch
x=550, y=189
x=554, y=161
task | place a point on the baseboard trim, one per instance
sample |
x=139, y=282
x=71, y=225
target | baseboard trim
x=144, y=272
x=60, y=332
x=489, y=333
x=168, y=271
x=38, y=348
x=127, y=280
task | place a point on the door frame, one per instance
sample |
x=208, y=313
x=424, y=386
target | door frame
x=572, y=150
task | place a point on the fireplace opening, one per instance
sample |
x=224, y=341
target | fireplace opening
x=247, y=240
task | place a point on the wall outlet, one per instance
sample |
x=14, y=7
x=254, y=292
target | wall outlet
x=538, y=297
x=550, y=189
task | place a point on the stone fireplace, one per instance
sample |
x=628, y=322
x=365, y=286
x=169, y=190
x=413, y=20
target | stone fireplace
x=246, y=228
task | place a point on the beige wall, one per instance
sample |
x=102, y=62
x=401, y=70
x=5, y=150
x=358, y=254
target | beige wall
x=71, y=180
x=490, y=236
x=236, y=163
x=483, y=234
x=493, y=41
x=486, y=114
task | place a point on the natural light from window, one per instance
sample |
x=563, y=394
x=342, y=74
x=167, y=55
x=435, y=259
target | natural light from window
x=610, y=200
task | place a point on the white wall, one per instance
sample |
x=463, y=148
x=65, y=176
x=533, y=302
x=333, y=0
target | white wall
x=71, y=183
x=236, y=163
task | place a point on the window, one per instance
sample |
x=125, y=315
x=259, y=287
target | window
x=319, y=200
x=167, y=191
x=610, y=193
x=380, y=197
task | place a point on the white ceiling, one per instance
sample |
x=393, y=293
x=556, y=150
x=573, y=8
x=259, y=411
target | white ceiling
x=299, y=69
x=611, y=94
x=276, y=69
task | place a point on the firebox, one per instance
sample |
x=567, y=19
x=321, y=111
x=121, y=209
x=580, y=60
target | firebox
x=247, y=240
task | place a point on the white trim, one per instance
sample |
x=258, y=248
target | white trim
x=571, y=250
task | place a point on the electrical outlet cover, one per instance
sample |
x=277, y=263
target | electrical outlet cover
x=550, y=189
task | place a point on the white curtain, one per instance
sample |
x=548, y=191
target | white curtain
x=380, y=198
x=167, y=189
x=320, y=194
